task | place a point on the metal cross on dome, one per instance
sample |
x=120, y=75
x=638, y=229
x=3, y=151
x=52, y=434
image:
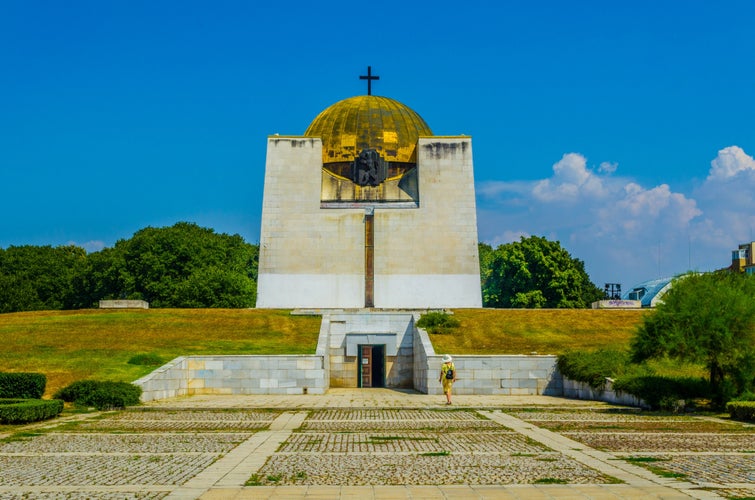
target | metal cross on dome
x=369, y=77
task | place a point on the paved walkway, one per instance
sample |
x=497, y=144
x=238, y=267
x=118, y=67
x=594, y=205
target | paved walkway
x=381, y=444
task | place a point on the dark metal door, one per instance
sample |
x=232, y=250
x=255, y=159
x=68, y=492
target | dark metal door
x=378, y=366
x=365, y=360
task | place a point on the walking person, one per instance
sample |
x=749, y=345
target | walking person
x=447, y=376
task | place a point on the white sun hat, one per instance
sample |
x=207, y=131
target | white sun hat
x=447, y=358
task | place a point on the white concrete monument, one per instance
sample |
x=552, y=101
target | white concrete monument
x=368, y=209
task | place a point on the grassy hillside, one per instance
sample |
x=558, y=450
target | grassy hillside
x=74, y=345
x=545, y=331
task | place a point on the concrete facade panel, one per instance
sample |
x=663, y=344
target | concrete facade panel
x=424, y=257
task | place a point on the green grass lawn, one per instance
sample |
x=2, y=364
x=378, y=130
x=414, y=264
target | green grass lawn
x=545, y=331
x=74, y=345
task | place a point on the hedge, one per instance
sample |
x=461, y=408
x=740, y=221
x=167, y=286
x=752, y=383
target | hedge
x=148, y=359
x=741, y=410
x=438, y=322
x=22, y=411
x=103, y=395
x=22, y=385
x=592, y=368
x=661, y=392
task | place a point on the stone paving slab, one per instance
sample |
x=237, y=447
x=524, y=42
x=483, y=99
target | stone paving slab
x=459, y=492
x=654, y=442
x=370, y=398
x=236, y=467
x=728, y=470
x=100, y=469
x=85, y=492
x=418, y=469
x=128, y=444
x=493, y=441
x=397, y=426
x=154, y=420
x=438, y=420
x=395, y=415
x=366, y=443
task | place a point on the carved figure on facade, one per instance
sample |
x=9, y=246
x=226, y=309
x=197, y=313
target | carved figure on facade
x=368, y=169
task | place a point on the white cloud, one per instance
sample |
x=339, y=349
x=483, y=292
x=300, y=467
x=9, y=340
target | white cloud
x=728, y=200
x=625, y=232
x=508, y=237
x=730, y=185
x=570, y=182
x=608, y=167
x=497, y=188
x=655, y=203
x=729, y=163
x=90, y=246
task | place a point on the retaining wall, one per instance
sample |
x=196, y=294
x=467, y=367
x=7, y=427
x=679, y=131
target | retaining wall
x=507, y=375
x=193, y=375
x=580, y=390
x=410, y=362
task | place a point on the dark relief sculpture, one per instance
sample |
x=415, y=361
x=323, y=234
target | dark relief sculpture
x=368, y=169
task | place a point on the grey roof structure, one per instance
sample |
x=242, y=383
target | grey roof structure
x=649, y=292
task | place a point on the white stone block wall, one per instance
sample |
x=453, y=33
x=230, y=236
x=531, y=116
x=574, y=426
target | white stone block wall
x=581, y=390
x=506, y=375
x=425, y=256
x=423, y=349
x=322, y=348
x=166, y=382
x=283, y=374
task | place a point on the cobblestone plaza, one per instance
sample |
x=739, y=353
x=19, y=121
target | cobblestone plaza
x=378, y=443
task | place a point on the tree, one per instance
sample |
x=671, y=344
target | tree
x=705, y=318
x=36, y=278
x=486, y=254
x=105, y=277
x=535, y=273
x=179, y=266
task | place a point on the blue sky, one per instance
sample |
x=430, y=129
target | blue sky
x=625, y=130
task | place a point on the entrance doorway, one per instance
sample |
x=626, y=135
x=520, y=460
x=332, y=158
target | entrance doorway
x=371, y=365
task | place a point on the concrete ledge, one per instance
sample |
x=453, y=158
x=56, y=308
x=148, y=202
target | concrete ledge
x=617, y=304
x=124, y=304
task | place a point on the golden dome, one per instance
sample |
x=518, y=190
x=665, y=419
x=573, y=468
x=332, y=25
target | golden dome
x=368, y=122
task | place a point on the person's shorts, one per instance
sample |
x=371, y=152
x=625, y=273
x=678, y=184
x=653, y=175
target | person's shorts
x=447, y=384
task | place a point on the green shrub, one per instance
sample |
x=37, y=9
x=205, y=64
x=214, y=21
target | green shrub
x=741, y=410
x=22, y=385
x=76, y=391
x=102, y=395
x=22, y=411
x=438, y=322
x=150, y=359
x=592, y=368
x=663, y=392
x=745, y=396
